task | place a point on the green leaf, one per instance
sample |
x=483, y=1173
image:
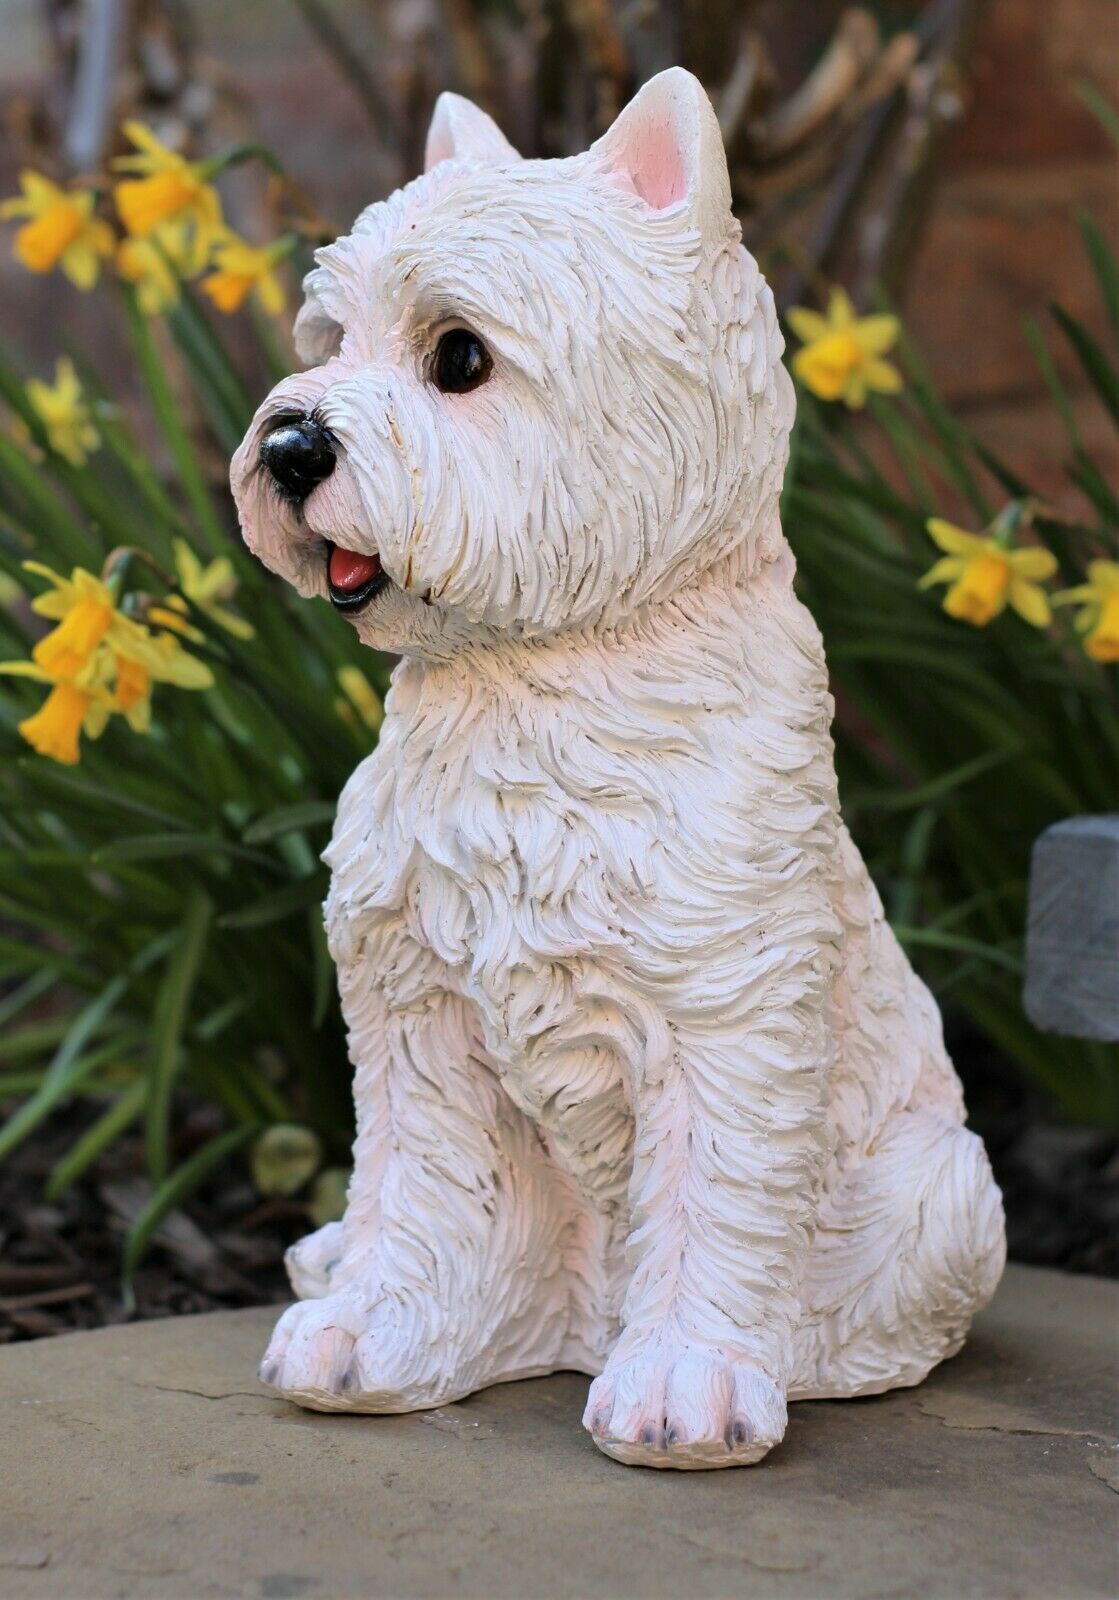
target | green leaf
x=51, y=777
x=35, y=1039
x=49, y=526
x=1100, y=107
x=168, y=1018
x=15, y=1085
x=1104, y=265
x=166, y=410
x=324, y=978
x=26, y=994
x=1100, y=371
x=164, y=846
x=959, y=945
x=216, y=381
x=950, y=434
x=1056, y=388
x=70, y=1064
x=212, y=1027
x=287, y=819
x=1083, y=471
x=182, y=1182
x=96, y=1139
x=270, y=908
x=946, y=783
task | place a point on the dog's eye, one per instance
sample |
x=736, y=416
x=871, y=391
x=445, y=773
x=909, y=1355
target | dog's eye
x=461, y=362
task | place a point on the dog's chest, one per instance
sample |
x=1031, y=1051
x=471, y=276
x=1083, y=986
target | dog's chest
x=497, y=832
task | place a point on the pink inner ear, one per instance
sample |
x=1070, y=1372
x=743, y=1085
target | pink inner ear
x=440, y=147
x=656, y=165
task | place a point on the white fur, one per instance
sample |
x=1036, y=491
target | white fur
x=644, y=1084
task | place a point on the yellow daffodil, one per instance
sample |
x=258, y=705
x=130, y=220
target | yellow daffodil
x=54, y=729
x=85, y=611
x=143, y=264
x=133, y=683
x=207, y=587
x=173, y=616
x=243, y=269
x=97, y=662
x=91, y=629
x=62, y=230
x=172, y=198
x=841, y=354
x=144, y=659
x=64, y=414
x=160, y=655
x=68, y=711
x=985, y=575
x=1099, y=616
x=361, y=695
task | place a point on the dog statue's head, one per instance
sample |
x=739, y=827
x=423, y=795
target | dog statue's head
x=538, y=393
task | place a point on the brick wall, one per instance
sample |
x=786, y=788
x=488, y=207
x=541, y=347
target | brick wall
x=1001, y=239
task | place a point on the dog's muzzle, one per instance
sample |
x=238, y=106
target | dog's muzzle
x=299, y=454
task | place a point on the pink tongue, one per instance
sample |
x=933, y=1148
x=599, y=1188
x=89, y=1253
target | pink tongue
x=350, y=569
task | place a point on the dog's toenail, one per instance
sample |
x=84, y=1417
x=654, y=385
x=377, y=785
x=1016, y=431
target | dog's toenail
x=649, y=1436
x=270, y=1373
x=740, y=1433
x=349, y=1379
x=676, y=1434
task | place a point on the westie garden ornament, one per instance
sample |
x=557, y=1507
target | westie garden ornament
x=644, y=1085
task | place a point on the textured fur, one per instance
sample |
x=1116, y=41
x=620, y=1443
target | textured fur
x=644, y=1084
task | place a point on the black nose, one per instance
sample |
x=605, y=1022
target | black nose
x=299, y=455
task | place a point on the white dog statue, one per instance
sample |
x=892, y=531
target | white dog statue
x=645, y=1086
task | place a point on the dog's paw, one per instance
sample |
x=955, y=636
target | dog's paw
x=685, y=1407
x=311, y=1353
x=348, y=1351
x=310, y=1262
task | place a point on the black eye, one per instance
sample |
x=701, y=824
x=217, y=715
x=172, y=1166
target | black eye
x=461, y=363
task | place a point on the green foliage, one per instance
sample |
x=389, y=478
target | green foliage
x=957, y=745
x=160, y=903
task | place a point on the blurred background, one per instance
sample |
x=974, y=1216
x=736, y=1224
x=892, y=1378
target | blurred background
x=173, y=1086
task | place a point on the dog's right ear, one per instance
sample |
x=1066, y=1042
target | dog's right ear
x=667, y=144
x=461, y=131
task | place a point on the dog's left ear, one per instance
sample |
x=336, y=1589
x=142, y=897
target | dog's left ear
x=667, y=142
x=461, y=131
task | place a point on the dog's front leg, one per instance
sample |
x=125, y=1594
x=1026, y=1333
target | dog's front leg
x=729, y=1149
x=453, y=1228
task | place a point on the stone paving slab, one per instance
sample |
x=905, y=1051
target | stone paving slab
x=144, y=1461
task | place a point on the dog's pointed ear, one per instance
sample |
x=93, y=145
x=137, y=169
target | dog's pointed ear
x=461, y=131
x=667, y=142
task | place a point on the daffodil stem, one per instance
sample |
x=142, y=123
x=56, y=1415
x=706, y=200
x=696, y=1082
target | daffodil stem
x=176, y=436
x=238, y=153
x=117, y=562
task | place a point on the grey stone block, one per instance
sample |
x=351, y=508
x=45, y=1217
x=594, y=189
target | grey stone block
x=1072, y=936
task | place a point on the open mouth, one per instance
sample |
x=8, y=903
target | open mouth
x=353, y=577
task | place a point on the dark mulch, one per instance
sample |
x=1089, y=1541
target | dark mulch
x=60, y=1261
x=1060, y=1187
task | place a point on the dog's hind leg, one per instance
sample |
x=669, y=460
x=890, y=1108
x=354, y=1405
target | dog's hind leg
x=310, y=1262
x=907, y=1249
